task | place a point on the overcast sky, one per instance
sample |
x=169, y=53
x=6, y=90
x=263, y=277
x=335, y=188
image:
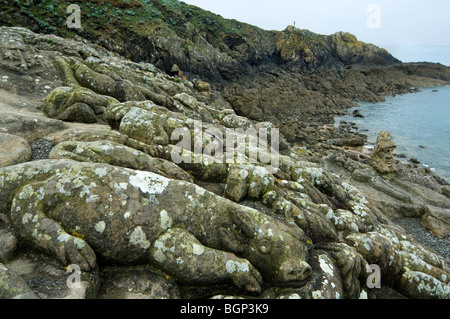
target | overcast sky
x=382, y=22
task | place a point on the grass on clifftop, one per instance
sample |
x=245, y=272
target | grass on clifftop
x=120, y=18
x=131, y=21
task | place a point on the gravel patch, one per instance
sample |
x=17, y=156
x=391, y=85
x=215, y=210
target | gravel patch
x=40, y=149
x=413, y=227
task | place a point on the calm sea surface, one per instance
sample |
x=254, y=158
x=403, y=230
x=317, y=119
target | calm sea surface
x=420, y=53
x=417, y=119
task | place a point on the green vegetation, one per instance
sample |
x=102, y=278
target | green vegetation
x=125, y=21
x=122, y=18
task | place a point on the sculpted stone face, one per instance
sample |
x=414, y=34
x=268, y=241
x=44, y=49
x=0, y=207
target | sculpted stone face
x=382, y=158
x=278, y=250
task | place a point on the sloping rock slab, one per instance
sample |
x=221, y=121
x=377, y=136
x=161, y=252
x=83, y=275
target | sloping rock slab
x=13, y=150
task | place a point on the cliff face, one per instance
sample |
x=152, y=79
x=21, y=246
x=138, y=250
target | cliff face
x=265, y=75
x=168, y=31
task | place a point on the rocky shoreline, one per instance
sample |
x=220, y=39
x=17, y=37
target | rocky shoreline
x=423, y=236
x=90, y=180
x=412, y=226
x=347, y=130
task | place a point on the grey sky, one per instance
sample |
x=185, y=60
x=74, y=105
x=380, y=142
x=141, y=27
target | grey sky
x=416, y=22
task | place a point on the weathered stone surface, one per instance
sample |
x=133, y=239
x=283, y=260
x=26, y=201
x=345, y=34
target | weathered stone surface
x=29, y=126
x=118, y=155
x=13, y=150
x=137, y=282
x=163, y=221
x=202, y=86
x=430, y=288
x=46, y=278
x=90, y=134
x=292, y=227
x=12, y=286
x=237, y=183
x=437, y=221
x=78, y=112
x=76, y=104
x=252, y=181
x=8, y=245
x=325, y=283
x=398, y=255
x=446, y=190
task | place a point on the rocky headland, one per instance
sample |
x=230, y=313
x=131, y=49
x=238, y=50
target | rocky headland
x=88, y=176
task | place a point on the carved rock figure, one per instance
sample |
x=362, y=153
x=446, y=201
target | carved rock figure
x=81, y=212
x=382, y=158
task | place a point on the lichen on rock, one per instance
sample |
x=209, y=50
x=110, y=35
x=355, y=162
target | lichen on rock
x=114, y=200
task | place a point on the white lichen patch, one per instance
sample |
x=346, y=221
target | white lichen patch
x=40, y=193
x=107, y=147
x=149, y=183
x=79, y=243
x=317, y=294
x=119, y=188
x=26, y=218
x=354, y=194
x=359, y=209
x=198, y=249
x=86, y=191
x=166, y=220
x=26, y=192
x=159, y=253
x=138, y=237
x=367, y=243
x=123, y=186
x=426, y=285
x=100, y=226
x=92, y=198
x=243, y=173
x=325, y=266
x=260, y=171
x=63, y=238
x=200, y=191
x=101, y=172
x=235, y=266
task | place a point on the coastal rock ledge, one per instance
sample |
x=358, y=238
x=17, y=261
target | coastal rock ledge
x=107, y=211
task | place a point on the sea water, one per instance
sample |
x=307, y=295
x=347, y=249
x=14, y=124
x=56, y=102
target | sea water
x=420, y=53
x=419, y=123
